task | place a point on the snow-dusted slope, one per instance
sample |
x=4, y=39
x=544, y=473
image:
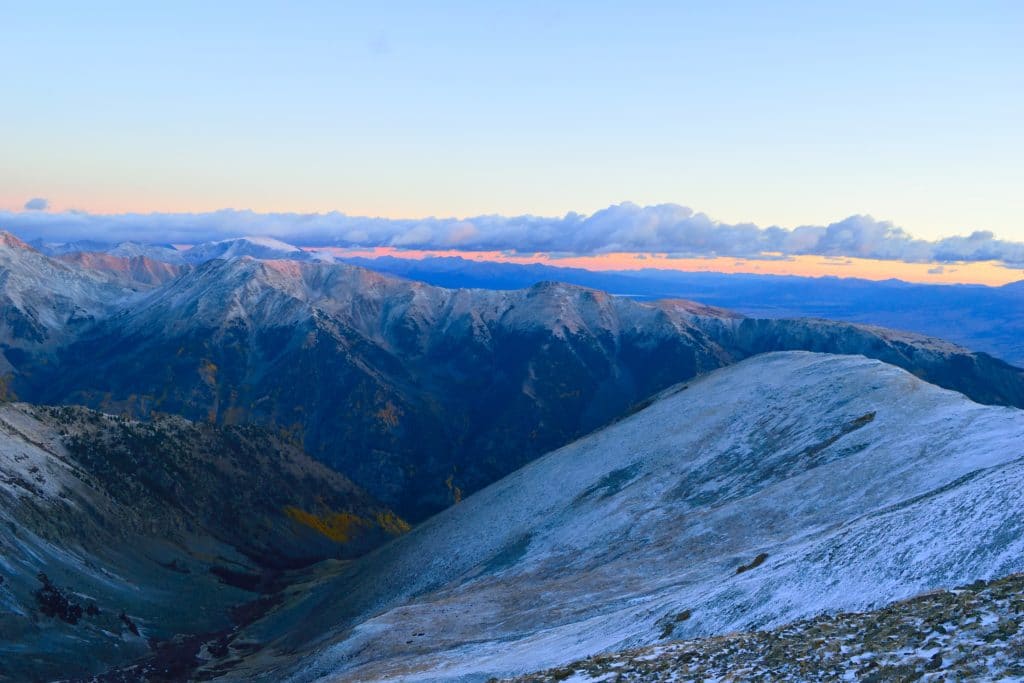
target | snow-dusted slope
x=166, y=253
x=256, y=247
x=767, y=491
x=44, y=301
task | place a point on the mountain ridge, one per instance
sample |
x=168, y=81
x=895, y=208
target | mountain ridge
x=709, y=502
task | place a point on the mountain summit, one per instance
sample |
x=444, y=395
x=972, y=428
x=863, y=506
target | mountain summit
x=256, y=247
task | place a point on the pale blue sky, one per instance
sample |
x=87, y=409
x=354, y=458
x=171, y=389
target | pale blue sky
x=777, y=113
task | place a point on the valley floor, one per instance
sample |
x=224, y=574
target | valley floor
x=969, y=634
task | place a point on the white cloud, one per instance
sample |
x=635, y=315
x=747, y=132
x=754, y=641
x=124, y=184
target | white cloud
x=665, y=228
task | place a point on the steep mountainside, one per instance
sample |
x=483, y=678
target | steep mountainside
x=762, y=493
x=423, y=394
x=118, y=535
x=44, y=302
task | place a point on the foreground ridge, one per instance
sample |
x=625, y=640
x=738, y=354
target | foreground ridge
x=971, y=633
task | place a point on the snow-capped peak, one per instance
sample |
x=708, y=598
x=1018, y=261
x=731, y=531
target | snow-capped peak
x=256, y=247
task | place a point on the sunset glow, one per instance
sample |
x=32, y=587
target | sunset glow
x=984, y=273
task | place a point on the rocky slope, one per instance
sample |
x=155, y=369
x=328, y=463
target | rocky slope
x=972, y=633
x=117, y=536
x=769, y=491
x=44, y=302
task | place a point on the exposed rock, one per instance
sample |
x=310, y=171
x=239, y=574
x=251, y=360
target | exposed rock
x=967, y=634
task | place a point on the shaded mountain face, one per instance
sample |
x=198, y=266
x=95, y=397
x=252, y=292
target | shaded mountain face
x=423, y=394
x=758, y=494
x=977, y=375
x=118, y=535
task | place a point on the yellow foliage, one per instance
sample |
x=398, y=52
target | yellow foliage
x=392, y=523
x=340, y=527
x=343, y=527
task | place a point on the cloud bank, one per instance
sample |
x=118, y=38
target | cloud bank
x=37, y=204
x=665, y=228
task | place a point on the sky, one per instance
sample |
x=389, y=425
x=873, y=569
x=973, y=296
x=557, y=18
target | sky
x=775, y=114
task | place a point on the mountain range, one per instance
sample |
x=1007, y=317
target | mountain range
x=981, y=318
x=358, y=475
x=380, y=378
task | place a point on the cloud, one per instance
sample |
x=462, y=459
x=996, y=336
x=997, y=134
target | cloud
x=665, y=229
x=37, y=204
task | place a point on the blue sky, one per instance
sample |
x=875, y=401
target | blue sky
x=773, y=113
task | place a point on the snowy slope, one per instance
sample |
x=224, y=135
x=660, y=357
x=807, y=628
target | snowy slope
x=166, y=253
x=44, y=300
x=854, y=482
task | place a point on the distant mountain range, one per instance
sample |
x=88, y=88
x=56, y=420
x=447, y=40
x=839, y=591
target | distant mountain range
x=989, y=319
